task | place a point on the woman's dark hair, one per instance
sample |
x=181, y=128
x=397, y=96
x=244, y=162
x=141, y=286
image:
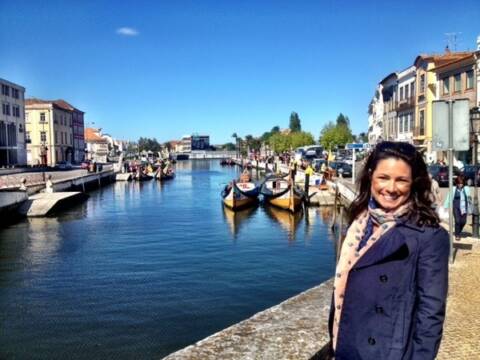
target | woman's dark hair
x=460, y=179
x=422, y=212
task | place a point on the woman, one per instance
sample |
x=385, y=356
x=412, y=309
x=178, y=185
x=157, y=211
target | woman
x=462, y=204
x=391, y=279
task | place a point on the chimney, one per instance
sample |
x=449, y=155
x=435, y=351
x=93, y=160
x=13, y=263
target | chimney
x=447, y=49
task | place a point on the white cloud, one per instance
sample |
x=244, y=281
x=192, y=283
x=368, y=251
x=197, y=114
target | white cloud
x=126, y=31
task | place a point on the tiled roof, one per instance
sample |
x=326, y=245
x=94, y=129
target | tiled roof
x=91, y=135
x=60, y=103
x=444, y=62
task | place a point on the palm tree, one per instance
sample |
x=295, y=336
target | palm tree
x=235, y=136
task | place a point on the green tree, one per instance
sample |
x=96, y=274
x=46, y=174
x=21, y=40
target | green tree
x=295, y=122
x=301, y=138
x=279, y=142
x=334, y=135
x=229, y=146
x=343, y=120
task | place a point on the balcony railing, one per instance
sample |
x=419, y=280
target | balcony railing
x=406, y=103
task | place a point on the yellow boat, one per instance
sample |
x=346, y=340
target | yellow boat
x=239, y=195
x=282, y=193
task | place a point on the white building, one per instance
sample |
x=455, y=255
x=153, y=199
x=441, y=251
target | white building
x=375, y=117
x=12, y=124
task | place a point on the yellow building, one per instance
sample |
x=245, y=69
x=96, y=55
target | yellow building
x=426, y=92
x=49, y=132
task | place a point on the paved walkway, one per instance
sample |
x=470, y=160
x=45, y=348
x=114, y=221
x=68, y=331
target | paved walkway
x=462, y=324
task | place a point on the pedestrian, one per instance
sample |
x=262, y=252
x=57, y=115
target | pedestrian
x=435, y=191
x=462, y=204
x=391, y=279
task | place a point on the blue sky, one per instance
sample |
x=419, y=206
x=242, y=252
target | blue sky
x=168, y=68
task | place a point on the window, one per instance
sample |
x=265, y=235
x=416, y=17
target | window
x=42, y=117
x=422, y=122
x=412, y=89
x=12, y=134
x=458, y=83
x=406, y=92
x=28, y=140
x=15, y=93
x=405, y=123
x=5, y=90
x=422, y=83
x=401, y=93
x=43, y=136
x=55, y=120
x=56, y=137
x=6, y=109
x=446, y=85
x=26, y=117
x=469, y=79
x=16, y=110
x=71, y=139
x=411, y=121
x=20, y=128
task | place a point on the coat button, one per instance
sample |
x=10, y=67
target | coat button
x=383, y=278
x=371, y=341
x=379, y=309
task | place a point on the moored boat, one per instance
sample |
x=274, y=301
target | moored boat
x=239, y=195
x=281, y=192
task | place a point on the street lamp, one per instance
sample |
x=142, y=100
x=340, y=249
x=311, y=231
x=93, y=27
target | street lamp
x=475, y=131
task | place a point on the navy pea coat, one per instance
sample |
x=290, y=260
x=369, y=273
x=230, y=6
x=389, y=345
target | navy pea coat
x=395, y=299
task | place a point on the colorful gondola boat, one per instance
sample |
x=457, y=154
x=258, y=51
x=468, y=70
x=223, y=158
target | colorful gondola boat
x=281, y=192
x=239, y=195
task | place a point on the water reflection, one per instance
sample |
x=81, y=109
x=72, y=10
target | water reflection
x=288, y=221
x=235, y=219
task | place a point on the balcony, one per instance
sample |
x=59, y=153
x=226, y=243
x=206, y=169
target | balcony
x=406, y=103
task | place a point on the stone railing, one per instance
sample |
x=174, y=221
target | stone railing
x=295, y=329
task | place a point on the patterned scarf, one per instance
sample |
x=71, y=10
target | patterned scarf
x=354, y=246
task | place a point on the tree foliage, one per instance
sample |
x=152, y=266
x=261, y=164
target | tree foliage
x=295, y=124
x=335, y=135
x=148, y=144
x=343, y=120
x=285, y=142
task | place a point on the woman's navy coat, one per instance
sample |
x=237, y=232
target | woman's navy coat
x=394, y=303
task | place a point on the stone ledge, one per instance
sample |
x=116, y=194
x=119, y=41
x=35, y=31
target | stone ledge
x=295, y=329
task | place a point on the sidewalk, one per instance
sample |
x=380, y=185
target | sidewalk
x=462, y=324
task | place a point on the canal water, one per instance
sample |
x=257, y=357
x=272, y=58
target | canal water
x=143, y=269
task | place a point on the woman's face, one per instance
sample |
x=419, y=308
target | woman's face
x=391, y=183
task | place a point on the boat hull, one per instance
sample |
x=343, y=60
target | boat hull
x=240, y=197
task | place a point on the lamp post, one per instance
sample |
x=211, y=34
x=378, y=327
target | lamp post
x=475, y=131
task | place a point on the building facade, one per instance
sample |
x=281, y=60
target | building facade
x=49, y=132
x=389, y=96
x=12, y=124
x=376, y=127
x=97, y=146
x=405, y=105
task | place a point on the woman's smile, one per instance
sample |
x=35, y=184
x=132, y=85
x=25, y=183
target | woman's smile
x=391, y=183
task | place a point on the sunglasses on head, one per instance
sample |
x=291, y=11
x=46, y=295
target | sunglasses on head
x=402, y=147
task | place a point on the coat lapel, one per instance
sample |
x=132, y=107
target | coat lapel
x=390, y=246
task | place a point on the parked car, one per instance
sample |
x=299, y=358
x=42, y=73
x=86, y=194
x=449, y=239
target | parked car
x=442, y=174
x=341, y=167
x=469, y=173
x=63, y=165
